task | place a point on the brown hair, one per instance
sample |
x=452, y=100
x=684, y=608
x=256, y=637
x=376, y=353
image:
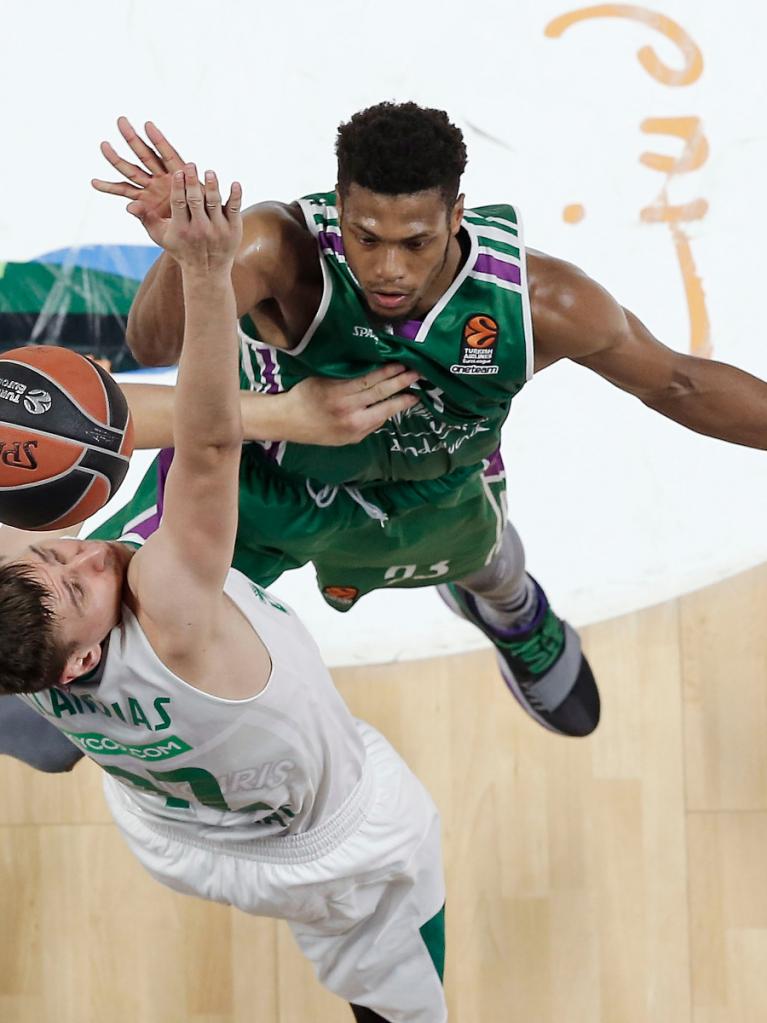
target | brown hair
x=32, y=657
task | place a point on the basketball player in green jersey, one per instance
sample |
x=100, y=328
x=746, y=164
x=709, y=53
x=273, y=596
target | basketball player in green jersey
x=394, y=266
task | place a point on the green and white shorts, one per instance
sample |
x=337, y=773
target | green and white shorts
x=362, y=892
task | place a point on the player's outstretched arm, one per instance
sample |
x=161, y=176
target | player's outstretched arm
x=321, y=411
x=577, y=319
x=177, y=577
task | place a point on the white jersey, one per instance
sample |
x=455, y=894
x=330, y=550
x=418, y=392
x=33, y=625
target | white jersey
x=277, y=763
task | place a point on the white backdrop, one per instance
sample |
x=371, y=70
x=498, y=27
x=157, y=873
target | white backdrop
x=618, y=507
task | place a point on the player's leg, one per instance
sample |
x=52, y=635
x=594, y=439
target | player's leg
x=363, y=1015
x=363, y=892
x=539, y=654
x=460, y=537
x=382, y=944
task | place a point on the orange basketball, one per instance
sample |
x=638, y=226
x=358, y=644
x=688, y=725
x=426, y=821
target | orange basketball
x=66, y=437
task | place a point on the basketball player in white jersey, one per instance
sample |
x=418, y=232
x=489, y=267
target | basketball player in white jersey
x=233, y=767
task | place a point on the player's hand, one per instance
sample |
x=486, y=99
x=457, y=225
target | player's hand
x=332, y=413
x=202, y=233
x=148, y=182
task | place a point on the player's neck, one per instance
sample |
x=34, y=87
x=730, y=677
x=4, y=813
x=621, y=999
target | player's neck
x=455, y=256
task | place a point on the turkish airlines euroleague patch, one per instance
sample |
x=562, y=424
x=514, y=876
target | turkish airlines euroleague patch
x=340, y=597
x=478, y=344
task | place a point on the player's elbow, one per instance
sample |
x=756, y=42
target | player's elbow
x=149, y=344
x=150, y=350
x=211, y=460
x=225, y=442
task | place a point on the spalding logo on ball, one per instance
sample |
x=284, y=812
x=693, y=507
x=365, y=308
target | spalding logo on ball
x=66, y=437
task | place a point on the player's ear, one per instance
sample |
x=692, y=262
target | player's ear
x=339, y=202
x=80, y=661
x=456, y=214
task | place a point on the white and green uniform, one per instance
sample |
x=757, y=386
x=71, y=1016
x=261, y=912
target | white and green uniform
x=282, y=805
x=422, y=500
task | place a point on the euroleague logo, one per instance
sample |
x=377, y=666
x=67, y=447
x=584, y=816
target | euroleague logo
x=37, y=402
x=478, y=341
x=480, y=332
x=340, y=597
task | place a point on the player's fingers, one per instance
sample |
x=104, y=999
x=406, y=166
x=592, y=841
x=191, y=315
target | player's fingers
x=234, y=202
x=365, y=381
x=151, y=219
x=128, y=170
x=148, y=157
x=194, y=198
x=376, y=415
x=376, y=385
x=137, y=209
x=213, y=198
x=179, y=212
x=170, y=156
x=382, y=389
x=116, y=188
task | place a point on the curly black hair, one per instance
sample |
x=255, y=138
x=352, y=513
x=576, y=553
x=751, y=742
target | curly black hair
x=399, y=149
x=31, y=655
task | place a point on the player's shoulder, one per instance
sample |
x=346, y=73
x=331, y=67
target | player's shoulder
x=568, y=307
x=275, y=237
x=557, y=283
x=272, y=223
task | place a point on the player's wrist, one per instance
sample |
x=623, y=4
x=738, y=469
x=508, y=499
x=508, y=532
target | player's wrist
x=208, y=275
x=263, y=416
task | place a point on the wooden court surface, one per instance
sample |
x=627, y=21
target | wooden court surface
x=619, y=879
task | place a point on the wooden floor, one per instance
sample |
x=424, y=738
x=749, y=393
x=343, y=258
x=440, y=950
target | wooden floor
x=621, y=879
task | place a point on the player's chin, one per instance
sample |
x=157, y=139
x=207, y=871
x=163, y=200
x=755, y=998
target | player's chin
x=401, y=310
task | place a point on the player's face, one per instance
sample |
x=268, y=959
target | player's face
x=85, y=579
x=401, y=248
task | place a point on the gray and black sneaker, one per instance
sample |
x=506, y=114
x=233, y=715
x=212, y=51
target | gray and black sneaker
x=541, y=663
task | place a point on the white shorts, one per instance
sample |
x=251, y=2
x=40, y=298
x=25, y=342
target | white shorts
x=363, y=892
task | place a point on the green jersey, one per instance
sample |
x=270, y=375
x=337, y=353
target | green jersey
x=473, y=351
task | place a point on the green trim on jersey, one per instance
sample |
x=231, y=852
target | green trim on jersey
x=473, y=351
x=433, y=934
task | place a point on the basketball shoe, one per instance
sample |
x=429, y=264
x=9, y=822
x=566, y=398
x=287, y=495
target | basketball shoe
x=541, y=662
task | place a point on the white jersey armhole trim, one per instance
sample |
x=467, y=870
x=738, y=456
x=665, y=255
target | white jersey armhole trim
x=327, y=292
x=527, y=316
x=327, y=283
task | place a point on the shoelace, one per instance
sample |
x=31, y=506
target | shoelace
x=539, y=651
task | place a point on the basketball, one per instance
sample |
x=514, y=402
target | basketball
x=66, y=437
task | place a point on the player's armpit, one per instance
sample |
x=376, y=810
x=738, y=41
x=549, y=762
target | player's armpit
x=156, y=320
